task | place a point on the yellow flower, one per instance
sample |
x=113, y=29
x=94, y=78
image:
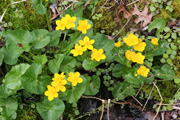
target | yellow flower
x=143, y=71
x=139, y=58
x=97, y=55
x=78, y=50
x=51, y=93
x=59, y=85
x=154, y=41
x=74, y=78
x=140, y=46
x=131, y=40
x=129, y=55
x=86, y=43
x=61, y=24
x=83, y=26
x=58, y=77
x=70, y=21
x=65, y=22
x=118, y=44
x=46, y=0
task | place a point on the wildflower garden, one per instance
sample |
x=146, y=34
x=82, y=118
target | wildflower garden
x=89, y=59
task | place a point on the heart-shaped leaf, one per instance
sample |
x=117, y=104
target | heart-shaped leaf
x=38, y=6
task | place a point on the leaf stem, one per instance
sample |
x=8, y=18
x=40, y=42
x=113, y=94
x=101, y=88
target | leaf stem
x=48, y=22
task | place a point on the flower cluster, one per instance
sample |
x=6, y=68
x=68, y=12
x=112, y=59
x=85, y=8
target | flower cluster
x=138, y=45
x=87, y=44
x=143, y=71
x=135, y=57
x=65, y=22
x=58, y=84
x=68, y=22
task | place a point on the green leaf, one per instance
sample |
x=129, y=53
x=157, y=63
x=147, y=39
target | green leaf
x=8, y=58
x=93, y=85
x=40, y=59
x=76, y=92
x=165, y=72
x=122, y=90
x=9, y=106
x=54, y=38
x=34, y=83
x=38, y=6
x=13, y=78
x=40, y=37
x=5, y=92
x=158, y=23
x=134, y=80
x=21, y=37
x=1, y=58
x=68, y=64
x=159, y=50
x=119, y=70
x=79, y=11
x=177, y=96
x=55, y=64
x=89, y=64
x=177, y=80
x=51, y=110
x=169, y=107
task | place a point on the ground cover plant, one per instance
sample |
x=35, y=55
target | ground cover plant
x=89, y=59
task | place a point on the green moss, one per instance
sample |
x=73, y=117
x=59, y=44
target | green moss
x=176, y=12
x=167, y=90
x=165, y=14
x=22, y=16
x=106, y=22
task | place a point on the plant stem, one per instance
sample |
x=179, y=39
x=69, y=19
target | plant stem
x=2, y=73
x=48, y=22
x=64, y=37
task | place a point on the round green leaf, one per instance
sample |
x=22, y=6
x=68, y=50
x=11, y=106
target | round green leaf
x=4, y=91
x=1, y=58
x=51, y=110
x=38, y=6
x=68, y=64
x=13, y=78
x=40, y=37
x=89, y=64
x=9, y=106
x=75, y=92
x=41, y=59
x=93, y=85
x=34, y=83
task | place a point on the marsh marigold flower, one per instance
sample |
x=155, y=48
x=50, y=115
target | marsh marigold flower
x=140, y=46
x=97, y=55
x=59, y=82
x=51, y=93
x=83, y=26
x=139, y=58
x=129, y=55
x=143, y=71
x=86, y=43
x=78, y=50
x=118, y=44
x=65, y=22
x=131, y=40
x=74, y=78
x=154, y=41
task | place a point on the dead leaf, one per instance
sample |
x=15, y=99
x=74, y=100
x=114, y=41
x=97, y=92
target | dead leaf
x=126, y=14
x=53, y=8
x=142, y=16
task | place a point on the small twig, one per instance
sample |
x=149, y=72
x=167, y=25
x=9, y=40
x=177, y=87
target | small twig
x=139, y=90
x=137, y=101
x=102, y=110
x=174, y=107
x=86, y=4
x=160, y=102
x=122, y=28
x=132, y=2
x=162, y=115
x=109, y=100
x=148, y=98
x=83, y=96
